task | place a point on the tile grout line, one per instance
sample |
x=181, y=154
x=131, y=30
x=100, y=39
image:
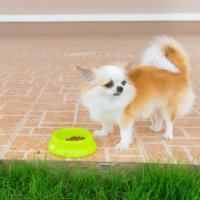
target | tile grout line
x=107, y=155
x=76, y=112
x=65, y=98
x=169, y=152
x=185, y=133
x=41, y=120
x=196, y=111
x=25, y=155
x=4, y=92
x=189, y=155
x=27, y=94
x=29, y=111
x=31, y=132
x=141, y=147
x=126, y=156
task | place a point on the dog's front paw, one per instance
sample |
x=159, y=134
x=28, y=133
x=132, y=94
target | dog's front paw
x=167, y=137
x=122, y=146
x=100, y=133
x=155, y=129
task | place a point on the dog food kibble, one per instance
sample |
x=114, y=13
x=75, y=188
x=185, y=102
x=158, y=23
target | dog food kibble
x=75, y=138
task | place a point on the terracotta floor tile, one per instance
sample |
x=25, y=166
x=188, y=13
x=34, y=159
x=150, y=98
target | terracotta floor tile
x=37, y=155
x=143, y=123
x=125, y=159
x=159, y=158
x=180, y=155
x=1, y=104
x=151, y=140
x=187, y=122
x=66, y=77
x=81, y=107
x=17, y=99
x=93, y=130
x=84, y=117
x=54, y=107
x=16, y=92
x=6, y=129
x=72, y=91
x=156, y=152
x=14, y=155
x=36, y=113
x=73, y=96
x=33, y=93
x=184, y=142
x=31, y=142
x=52, y=89
x=69, y=125
x=15, y=109
x=99, y=155
x=44, y=131
x=10, y=121
x=32, y=121
x=76, y=86
x=25, y=131
x=145, y=132
x=59, y=117
x=71, y=101
x=116, y=131
x=51, y=98
x=4, y=139
x=193, y=132
x=2, y=148
x=195, y=152
x=111, y=142
x=130, y=152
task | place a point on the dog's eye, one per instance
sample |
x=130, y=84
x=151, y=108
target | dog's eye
x=109, y=85
x=123, y=82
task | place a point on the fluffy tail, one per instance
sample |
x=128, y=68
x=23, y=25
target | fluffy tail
x=166, y=53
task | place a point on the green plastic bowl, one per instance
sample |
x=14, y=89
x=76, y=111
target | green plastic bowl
x=61, y=147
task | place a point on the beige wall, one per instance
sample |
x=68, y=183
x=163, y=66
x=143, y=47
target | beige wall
x=9, y=7
x=98, y=28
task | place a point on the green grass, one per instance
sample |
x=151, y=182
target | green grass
x=38, y=181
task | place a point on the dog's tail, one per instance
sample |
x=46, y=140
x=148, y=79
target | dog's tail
x=166, y=53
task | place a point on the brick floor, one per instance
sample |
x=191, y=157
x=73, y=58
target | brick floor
x=40, y=93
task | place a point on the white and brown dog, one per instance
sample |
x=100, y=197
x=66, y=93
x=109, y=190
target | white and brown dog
x=119, y=94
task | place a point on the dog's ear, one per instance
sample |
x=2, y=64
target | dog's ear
x=128, y=66
x=86, y=74
x=125, y=66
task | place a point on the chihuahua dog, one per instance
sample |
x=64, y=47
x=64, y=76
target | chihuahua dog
x=119, y=94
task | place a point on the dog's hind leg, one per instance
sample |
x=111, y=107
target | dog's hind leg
x=159, y=118
x=169, y=113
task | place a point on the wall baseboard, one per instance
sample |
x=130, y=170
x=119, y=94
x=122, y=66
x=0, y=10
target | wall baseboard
x=98, y=28
x=102, y=17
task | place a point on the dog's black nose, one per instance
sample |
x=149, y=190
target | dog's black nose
x=119, y=88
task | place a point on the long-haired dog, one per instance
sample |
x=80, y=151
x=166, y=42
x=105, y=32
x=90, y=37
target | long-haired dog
x=119, y=94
